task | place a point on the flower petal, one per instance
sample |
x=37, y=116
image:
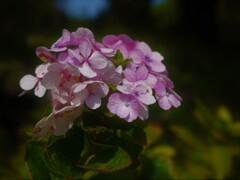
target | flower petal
x=174, y=101
x=164, y=103
x=87, y=71
x=144, y=48
x=85, y=49
x=63, y=119
x=137, y=56
x=97, y=60
x=80, y=97
x=39, y=90
x=51, y=80
x=93, y=102
x=28, y=82
x=147, y=99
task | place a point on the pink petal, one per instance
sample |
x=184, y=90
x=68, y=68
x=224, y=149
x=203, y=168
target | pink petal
x=28, y=82
x=83, y=32
x=113, y=102
x=97, y=60
x=143, y=112
x=123, y=111
x=80, y=97
x=147, y=99
x=75, y=54
x=87, y=71
x=156, y=56
x=109, y=52
x=85, y=49
x=151, y=80
x=110, y=40
x=144, y=48
x=101, y=90
x=93, y=102
x=130, y=75
x=142, y=73
x=164, y=103
x=137, y=56
x=174, y=101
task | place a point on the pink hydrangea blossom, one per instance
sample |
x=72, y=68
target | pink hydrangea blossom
x=78, y=71
x=125, y=106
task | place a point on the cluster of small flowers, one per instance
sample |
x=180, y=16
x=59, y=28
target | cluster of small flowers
x=79, y=71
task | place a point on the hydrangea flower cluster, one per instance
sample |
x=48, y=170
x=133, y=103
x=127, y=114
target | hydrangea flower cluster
x=79, y=71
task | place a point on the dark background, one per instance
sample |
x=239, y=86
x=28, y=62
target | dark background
x=199, y=40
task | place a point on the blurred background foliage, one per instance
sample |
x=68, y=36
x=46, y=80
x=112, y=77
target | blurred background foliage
x=200, y=43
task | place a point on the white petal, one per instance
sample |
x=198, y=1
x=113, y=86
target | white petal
x=79, y=98
x=87, y=71
x=28, y=82
x=64, y=118
x=41, y=70
x=79, y=87
x=39, y=90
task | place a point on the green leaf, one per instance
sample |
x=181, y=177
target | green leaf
x=63, y=154
x=220, y=160
x=118, y=56
x=118, y=60
x=35, y=161
x=135, y=135
x=111, y=160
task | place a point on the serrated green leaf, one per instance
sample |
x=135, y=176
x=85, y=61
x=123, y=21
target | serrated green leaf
x=111, y=160
x=63, y=153
x=35, y=161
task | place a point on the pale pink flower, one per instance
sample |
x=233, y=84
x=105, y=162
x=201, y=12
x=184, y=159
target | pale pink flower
x=144, y=55
x=125, y=106
x=29, y=82
x=166, y=97
x=140, y=90
x=89, y=92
